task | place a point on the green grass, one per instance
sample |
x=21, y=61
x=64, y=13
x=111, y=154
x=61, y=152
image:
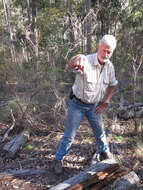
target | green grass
x=30, y=147
x=119, y=139
x=132, y=140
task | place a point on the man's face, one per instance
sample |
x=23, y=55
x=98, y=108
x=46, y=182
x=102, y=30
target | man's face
x=104, y=52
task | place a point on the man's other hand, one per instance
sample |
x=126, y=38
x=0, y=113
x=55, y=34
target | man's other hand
x=100, y=107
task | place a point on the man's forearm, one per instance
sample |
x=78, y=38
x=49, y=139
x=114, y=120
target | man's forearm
x=110, y=93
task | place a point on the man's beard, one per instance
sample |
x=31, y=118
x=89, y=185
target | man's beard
x=105, y=60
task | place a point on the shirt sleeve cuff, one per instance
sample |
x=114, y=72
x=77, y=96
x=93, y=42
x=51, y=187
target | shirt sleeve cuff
x=114, y=83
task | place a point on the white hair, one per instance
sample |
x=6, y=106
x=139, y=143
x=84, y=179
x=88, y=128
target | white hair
x=109, y=40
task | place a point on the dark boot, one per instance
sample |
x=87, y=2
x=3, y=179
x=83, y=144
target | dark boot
x=58, y=167
x=100, y=156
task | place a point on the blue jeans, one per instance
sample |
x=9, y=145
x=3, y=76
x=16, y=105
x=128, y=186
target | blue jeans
x=76, y=113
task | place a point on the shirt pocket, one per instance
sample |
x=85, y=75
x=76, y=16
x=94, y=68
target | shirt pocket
x=91, y=77
x=91, y=83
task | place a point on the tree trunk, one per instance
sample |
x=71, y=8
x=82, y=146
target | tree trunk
x=71, y=27
x=104, y=16
x=28, y=11
x=9, y=29
x=88, y=27
x=34, y=36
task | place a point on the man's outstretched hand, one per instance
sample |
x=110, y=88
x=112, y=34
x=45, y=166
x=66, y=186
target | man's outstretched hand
x=77, y=62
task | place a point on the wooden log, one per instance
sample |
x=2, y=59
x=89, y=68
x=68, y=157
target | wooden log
x=16, y=143
x=100, y=176
x=126, y=182
x=103, y=178
x=21, y=173
x=8, y=145
x=77, y=187
x=88, y=174
x=109, y=179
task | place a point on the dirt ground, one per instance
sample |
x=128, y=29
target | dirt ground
x=39, y=153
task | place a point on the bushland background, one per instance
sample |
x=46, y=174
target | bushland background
x=37, y=38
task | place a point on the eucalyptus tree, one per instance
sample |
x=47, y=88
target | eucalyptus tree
x=71, y=25
x=109, y=15
x=88, y=27
x=34, y=36
x=130, y=39
x=9, y=26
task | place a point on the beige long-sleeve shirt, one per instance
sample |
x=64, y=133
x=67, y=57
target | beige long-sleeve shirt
x=91, y=84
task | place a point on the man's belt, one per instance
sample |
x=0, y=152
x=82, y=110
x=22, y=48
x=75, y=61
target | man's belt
x=73, y=96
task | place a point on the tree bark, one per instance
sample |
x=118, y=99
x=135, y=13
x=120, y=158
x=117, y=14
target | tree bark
x=104, y=16
x=107, y=173
x=126, y=182
x=15, y=144
x=85, y=175
x=88, y=27
x=9, y=29
x=28, y=11
x=71, y=27
x=34, y=36
x=21, y=173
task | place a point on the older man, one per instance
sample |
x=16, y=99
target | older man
x=92, y=90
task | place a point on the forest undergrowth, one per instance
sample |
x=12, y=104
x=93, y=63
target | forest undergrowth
x=39, y=153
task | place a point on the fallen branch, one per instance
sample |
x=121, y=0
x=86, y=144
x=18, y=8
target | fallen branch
x=21, y=173
x=16, y=143
x=11, y=128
